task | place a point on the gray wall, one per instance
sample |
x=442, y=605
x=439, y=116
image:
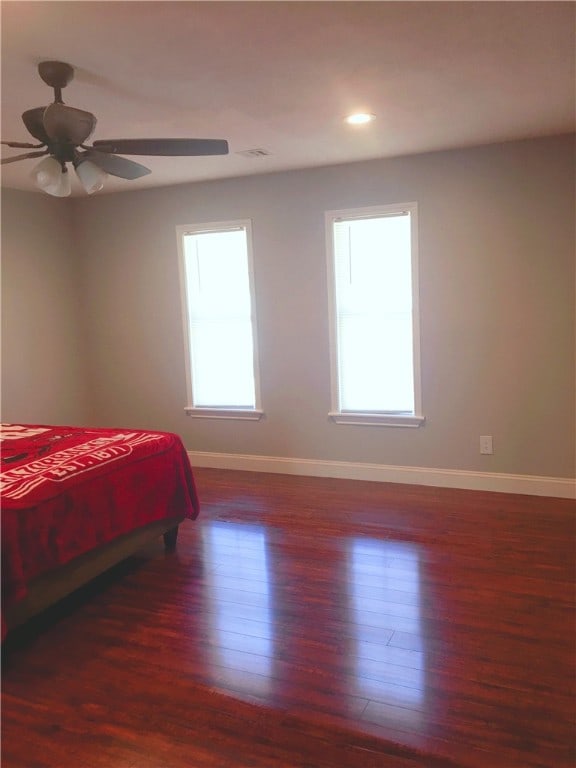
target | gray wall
x=497, y=279
x=43, y=357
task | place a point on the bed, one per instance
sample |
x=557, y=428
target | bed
x=76, y=501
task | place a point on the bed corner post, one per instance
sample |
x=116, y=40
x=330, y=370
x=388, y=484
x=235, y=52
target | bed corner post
x=170, y=538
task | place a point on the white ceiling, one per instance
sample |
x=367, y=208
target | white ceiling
x=282, y=75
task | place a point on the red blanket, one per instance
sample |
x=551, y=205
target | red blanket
x=66, y=490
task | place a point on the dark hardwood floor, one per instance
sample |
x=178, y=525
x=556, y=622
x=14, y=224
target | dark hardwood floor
x=313, y=622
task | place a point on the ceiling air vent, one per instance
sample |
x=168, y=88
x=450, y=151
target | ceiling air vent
x=254, y=152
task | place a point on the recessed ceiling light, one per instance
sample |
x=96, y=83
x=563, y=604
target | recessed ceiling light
x=359, y=118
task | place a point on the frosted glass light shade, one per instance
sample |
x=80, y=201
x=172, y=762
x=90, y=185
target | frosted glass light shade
x=50, y=177
x=47, y=173
x=62, y=188
x=91, y=176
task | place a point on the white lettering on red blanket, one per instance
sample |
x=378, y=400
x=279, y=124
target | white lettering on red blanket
x=19, y=481
x=17, y=431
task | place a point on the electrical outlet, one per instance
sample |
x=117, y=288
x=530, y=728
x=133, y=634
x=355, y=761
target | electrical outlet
x=486, y=444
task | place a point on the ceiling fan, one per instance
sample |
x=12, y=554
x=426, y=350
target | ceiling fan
x=62, y=132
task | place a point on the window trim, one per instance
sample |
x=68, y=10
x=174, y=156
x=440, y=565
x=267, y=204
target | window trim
x=212, y=412
x=371, y=418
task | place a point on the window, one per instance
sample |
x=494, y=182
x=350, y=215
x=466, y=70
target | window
x=372, y=269
x=217, y=287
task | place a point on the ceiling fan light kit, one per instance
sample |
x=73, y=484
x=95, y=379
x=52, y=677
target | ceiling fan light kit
x=62, y=130
x=91, y=176
x=52, y=178
x=63, y=187
x=47, y=172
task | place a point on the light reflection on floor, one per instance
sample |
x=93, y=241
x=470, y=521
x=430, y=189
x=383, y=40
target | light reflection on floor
x=239, y=588
x=384, y=584
x=383, y=597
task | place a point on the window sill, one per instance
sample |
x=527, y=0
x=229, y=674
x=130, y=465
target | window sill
x=224, y=413
x=378, y=419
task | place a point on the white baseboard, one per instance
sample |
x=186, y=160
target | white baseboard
x=444, y=478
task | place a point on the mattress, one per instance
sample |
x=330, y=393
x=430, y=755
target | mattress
x=66, y=490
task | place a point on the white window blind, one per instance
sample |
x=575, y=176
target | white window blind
x=219, y=317
x=372, y=265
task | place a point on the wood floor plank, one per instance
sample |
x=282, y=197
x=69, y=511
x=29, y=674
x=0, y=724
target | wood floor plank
x=313, y=622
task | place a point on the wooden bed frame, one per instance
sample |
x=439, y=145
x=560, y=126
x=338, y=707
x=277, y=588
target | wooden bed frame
x=52, y=587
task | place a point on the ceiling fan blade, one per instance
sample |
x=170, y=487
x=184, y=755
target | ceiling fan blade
x=21, y=144
x=115, y=165
x=6, y=160
x=164, y=147
x=32, y=119
x=68, y=124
